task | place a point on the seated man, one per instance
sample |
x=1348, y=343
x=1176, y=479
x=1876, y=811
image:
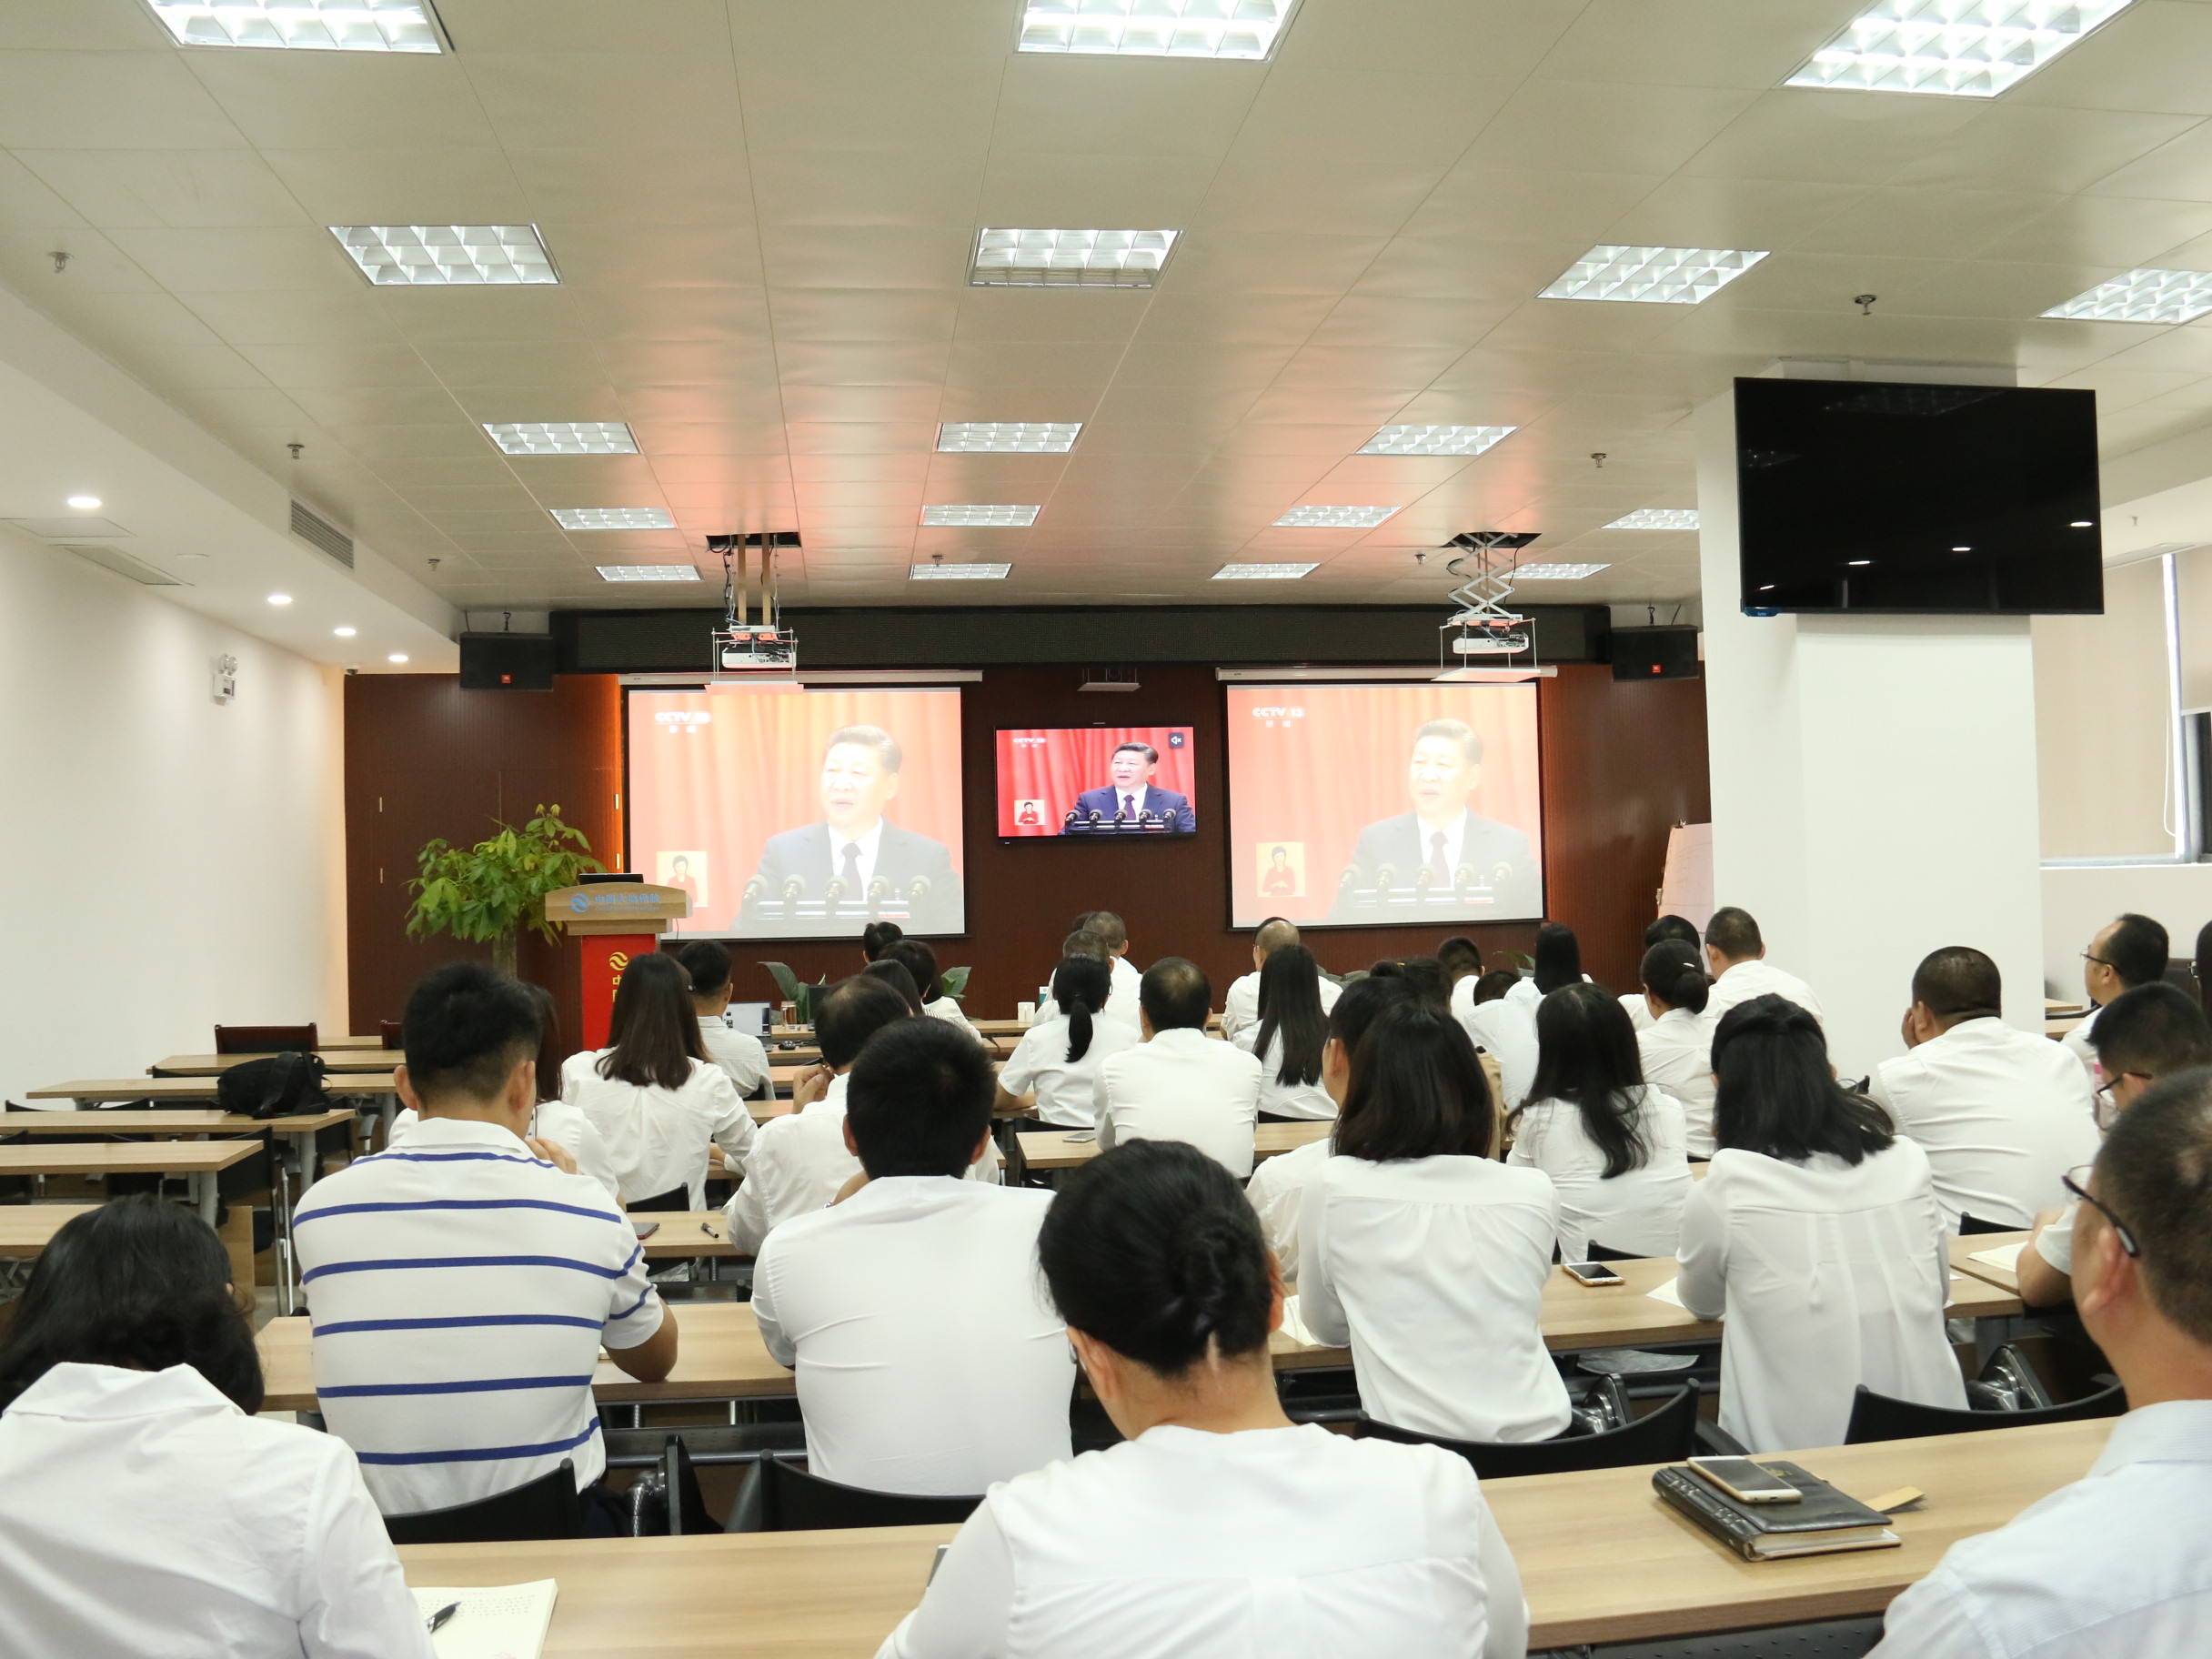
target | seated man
x=739, y=1053
x=1740, y=969
x=2142, y=1036
x=1180, y=1084
x=2115, y=1564
x=1241, y=1006
x=2001, y=1113
x=2128, y=950
x=927, y=1358
x=463, y=1285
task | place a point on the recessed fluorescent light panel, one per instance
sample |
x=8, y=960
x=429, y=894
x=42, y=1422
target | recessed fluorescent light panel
x=2142, y=297
x=1656, y=518
x=305, y=25
x=1000, y=516
x=1154, y=28
x=612, y=518
x=1656, y=275
x=1334, y=518
x=959, y=573
x=647, y=573
x=1068, y=258
x=1433, y=440
x=1007, y=437
x=1263, y=573
x=562, y=438
x=1971, y=51
x=1556, y=573
x=424, y=254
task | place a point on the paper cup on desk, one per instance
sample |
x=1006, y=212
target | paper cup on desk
x=1026, y=1013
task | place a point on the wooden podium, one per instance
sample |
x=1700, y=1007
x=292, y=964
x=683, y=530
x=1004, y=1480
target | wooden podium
x=611, y=922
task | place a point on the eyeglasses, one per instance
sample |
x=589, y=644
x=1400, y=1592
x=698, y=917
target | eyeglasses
x=2091, y=956
x=2104, y=1105
x=2119, y=1228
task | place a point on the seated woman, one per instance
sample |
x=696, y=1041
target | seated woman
x=920, y=962
x=1293, y=1029
x=1058, y=1058
x=1611, y=1142
x=1817, y=1234
x=1675, y=1041
x=144, y=1509
x=1424, y=1253
x=1218, y=1526
x=894, y=974
x=653, y=1095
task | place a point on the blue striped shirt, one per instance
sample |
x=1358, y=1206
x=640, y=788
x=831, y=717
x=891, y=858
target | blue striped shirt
x=460, y=1290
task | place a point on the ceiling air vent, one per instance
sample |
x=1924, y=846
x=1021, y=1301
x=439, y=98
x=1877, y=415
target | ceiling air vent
x=321, y=533
x=123, y=564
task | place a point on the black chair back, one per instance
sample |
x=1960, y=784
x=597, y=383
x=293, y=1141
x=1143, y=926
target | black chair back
x=792, y=1501
x=1970, y=1224
x=688, y=1513
x=264, y=1039
x=675, y=1198
x=1664, y=1435
x=546, y=1507
x=1878, y=1417
x=1598, y=1253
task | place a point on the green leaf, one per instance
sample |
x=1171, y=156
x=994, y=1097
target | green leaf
x=955, y=981
x=487, y=892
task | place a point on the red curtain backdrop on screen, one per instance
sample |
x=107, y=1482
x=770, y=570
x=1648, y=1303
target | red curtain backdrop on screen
x=1311, y=765
x=1040, y=772
x=713, y=774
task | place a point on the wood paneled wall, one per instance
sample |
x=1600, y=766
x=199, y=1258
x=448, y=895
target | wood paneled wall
x=1623, y=761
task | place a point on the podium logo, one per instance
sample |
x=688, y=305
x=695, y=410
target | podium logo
x=580, y=904
x=618, y=960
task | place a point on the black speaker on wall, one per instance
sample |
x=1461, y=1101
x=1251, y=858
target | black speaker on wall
x=1655, y=653
x=506, y=662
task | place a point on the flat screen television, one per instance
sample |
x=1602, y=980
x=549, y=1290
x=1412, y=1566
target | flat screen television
x=1096, y=781
x=1875, y=495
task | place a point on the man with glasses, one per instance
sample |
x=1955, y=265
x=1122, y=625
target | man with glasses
x=2142, y=1035
x=2117, y=1563
x=2127, y=951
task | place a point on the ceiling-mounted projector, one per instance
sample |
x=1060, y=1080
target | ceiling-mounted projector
x=753, y=649
x=1483, y=626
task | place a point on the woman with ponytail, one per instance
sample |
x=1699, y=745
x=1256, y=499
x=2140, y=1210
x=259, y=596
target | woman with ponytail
x=1817, y=1234
x=1676, y=1041
x=1217, y=1523
x=1293, y=1031
x=1057, y=1058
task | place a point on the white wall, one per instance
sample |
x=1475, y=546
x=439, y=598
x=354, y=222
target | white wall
x=166, y=861
x=2079, y=899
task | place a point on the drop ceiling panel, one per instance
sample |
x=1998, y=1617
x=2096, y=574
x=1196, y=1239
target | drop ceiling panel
x=609, y=96
x=338, y=100
x=398, y=178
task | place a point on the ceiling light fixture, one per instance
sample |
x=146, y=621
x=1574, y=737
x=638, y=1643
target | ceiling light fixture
x=1908, y=45
x=1556, y=573
x=980, y=514
x=305, y=25
x=397, y=657
x=1333, y=517
x=1433, y=440
x=612, y=517
x=281, y=598
x=1655, y=519
x=959, y=573
x=1155, y=28
x=562, y=438
x=1858, y=561
x=1263, y=573
x=2081, y=524
x=1010, y=436
x=2142, y=297
x=345, y=633
x=422, y=255
x=85, y=504
x=647, y=573
x=1068, y=258
x=1654, y=276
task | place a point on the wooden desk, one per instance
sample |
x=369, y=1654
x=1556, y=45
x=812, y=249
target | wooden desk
x=215, y=1065
x=683, y=1233
x=2004, y=1278
x=1051, y=1149
x=187, y=1088
x=197, y=1160
x=324, y=1044
x=26, y=1230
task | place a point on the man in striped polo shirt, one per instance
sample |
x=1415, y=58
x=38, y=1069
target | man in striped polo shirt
x=461, y=1286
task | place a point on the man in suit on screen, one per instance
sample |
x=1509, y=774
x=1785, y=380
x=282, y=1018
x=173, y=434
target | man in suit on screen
x=1442, y=857
x=855, y=854
x=1132, y=803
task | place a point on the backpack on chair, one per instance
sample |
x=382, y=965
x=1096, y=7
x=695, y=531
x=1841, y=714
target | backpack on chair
x=273, y=1087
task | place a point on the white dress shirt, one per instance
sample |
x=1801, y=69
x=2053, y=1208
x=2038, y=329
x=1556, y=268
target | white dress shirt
x=2055, y=1243
x=948, y=1011
x=1639, y=1211
x=1241, y=1008
x=1677, y=1050
x=1182, y=1085
x=658, y=1136
x=1506, y=1027
x=2001, y=1113
x=1066, y=1090
x=2114, y=1565
x=1121, y=988
x=739, y=1053
x=1253, y=1546
x=141, y=1512
x=1830, y=1275
x=2076, y=1044
x=1128, y=980
x=553, y=1120
x=927, y=1358
x=1434, y=1269
x=1306, y=1101
x=1638, y=1010
x=1277, y=1193
x=1757, y=977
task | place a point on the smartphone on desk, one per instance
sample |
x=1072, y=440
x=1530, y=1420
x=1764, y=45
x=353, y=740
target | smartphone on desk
x=1082, y=1134
x=646, y=1230
x=1592, y=1272
x=1745, y=1480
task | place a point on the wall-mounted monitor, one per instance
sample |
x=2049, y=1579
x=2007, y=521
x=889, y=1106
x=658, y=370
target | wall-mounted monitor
x=1362, y=806
x=1872, y=496
x=799, y=815
x=1089, y=781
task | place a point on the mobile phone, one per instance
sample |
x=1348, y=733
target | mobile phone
x=646, y=1230
x=1083, y=1134
x=1592, y=1273
x=1742, y=1479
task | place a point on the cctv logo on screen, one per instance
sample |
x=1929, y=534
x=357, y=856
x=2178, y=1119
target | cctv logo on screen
x=1023, y=743
x=1279, y=716
x=682, y=721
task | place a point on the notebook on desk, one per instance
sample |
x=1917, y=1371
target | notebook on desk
x=494, y=1621
x=1821, y=1522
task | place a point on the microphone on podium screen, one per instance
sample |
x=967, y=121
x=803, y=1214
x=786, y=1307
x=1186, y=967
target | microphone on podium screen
x=1386, y=876
x=1423, y=878
x=1462, y=879
x=753, y=890
x=876, y=891
x=919, y=891
x=835, y=890
x=793, y=886
x=1096, y=819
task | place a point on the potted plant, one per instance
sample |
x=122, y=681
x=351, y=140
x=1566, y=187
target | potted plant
x=486, y=893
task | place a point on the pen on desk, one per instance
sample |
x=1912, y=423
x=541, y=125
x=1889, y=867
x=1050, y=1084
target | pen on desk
x=438, y=1620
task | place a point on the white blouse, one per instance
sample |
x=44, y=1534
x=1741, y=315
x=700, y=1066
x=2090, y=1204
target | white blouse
x=1638, y=1212
x=1277, y=1193
x=1066, y=1090
x=1308, y=1100
x=1433, y=1268
x=1830, y=1275
x=1252, y=1545
x=948, y=1011
x=1677, y=1050
x=558, y=1121
x=658, y=1137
